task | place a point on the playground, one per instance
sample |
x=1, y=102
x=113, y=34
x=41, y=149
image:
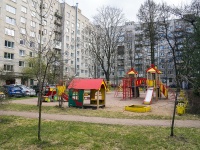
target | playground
x=162, y=107
x=147, y=95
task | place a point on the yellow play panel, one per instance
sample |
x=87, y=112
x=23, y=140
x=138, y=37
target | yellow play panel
x=138, y=108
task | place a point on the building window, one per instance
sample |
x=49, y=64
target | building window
x=22, y=41
x=8, y=55
x=23, y=20
x=10, y=20
x=21, y=52
x=32, y=44
x=32, y=34
x=23, y=31
x=33, y=24
x=68, y=14
x=67, y=46
x=72, y=25
x=30, y=64
x=33, y=14
x=9, y=44
x=8, y=67
x=9, y=32
x=21, y=64
x=31, y=54
x=51, y=16
x=67, y=38
x=45, y=31
x=23, y=9
x=11, y=9
x=34, y=4
x=44, y=22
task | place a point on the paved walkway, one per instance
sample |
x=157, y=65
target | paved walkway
x=129, y=122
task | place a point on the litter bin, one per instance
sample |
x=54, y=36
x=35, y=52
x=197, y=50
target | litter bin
x=180, y=108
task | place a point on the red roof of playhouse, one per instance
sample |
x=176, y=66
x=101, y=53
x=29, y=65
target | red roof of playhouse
x=132, y=71
x=153, y=69
x=86, y=84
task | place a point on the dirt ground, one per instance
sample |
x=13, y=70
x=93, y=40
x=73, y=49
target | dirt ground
x=162, y=107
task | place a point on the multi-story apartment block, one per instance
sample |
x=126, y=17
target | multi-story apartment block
x=125, y=52
x=65, y=27
x=22, y=31
x=177, y=29
x=75, y=45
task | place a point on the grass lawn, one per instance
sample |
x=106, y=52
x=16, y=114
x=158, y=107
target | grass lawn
x=20, y=133
x=89, y=112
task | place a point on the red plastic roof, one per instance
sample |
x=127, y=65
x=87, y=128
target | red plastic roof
x=86, y=84
x=153, y=69
x=132, y=71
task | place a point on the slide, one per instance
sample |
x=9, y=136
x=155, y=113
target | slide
x=148, y=97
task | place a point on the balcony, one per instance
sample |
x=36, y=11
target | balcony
x=58, y=15
x=58, y=23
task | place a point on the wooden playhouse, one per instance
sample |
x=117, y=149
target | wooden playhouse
x=97, y=93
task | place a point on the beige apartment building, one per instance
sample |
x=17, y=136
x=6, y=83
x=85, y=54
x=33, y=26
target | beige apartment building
x=22, y=30
x=77, y=61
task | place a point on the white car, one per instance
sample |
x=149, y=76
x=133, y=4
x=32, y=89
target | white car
x=27, y=90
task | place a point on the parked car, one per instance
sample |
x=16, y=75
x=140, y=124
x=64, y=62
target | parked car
x=26, y=90
x=14, y=91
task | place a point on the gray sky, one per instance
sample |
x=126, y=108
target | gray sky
x=129, y=7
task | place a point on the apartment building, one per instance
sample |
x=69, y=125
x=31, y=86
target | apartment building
x=22, y=30
x=125, y=53
x=177, y=29
x=77, y=61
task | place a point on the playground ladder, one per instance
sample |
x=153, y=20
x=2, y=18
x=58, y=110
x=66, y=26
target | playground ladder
x=126, y=88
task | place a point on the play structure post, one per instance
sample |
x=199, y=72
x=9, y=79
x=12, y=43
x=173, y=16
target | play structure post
x=98, y=99
x=156, y=87
x=135, y=86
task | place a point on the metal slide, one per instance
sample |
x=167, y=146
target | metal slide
x=148, y=97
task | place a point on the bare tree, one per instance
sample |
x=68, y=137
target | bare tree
x=105, y=33
x=148, y=16
x=42, y=36
x=174, y=32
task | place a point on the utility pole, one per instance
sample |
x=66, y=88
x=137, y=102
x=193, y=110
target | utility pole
x=76, y=21
x=62, y=48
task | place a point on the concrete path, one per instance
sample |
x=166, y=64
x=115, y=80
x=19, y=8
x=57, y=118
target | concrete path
x=128, y=122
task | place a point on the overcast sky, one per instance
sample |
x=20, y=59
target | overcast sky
x=129, y=7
